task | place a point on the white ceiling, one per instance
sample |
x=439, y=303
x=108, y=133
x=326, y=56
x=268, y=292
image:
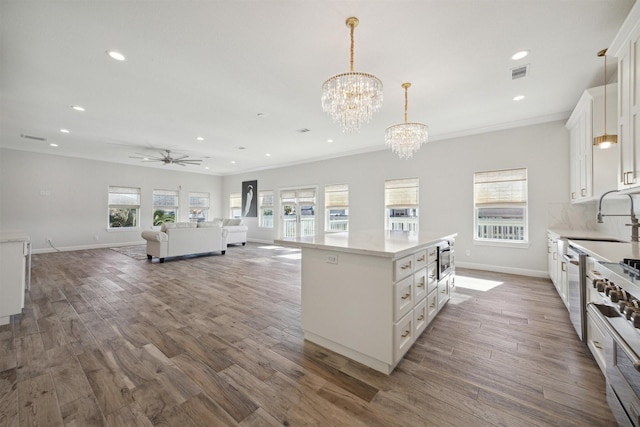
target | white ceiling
x=208, y=68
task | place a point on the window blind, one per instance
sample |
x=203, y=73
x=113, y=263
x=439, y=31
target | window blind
x=124, y=196
x=303, y=195
x=401, y=193
x=336, y=196
x=165, y=198
x=235, y=200
x=266, y=199
x=500, y=187
x=198, y=200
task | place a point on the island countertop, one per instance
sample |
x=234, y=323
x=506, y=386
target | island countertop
x=382, y=243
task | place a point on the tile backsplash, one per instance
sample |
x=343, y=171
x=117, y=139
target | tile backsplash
x=583, y=216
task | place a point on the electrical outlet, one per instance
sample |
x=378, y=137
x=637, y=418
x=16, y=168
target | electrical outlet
x=468, y=252
x=96, y=237
x=332, y=259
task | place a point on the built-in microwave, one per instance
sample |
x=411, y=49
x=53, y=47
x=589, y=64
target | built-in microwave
x=444, y=259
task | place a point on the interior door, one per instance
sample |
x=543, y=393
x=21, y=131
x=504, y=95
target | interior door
x=298, y=219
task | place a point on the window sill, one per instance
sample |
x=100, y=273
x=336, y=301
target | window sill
x=502, y=243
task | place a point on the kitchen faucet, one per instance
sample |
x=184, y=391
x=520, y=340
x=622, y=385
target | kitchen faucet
x=634, y=220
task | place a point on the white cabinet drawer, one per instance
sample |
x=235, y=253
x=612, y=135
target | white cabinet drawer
x=420, y=284
x=432, y=254
x=432, y=306
x=432, y=276
x=596, y=342
x=420, y=318
x=443, y=292
x=403, y=297
x=420, y=260
x=403, y=336
x=403, y=267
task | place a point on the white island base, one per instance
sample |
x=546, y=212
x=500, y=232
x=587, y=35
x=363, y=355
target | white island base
x=370, y=301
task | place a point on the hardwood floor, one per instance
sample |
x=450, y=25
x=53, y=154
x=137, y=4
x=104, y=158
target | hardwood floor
x=105, y=339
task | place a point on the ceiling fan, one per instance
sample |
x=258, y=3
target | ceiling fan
x=167, y=159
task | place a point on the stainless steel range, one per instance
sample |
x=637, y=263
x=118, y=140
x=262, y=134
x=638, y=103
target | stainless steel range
x=616, y=336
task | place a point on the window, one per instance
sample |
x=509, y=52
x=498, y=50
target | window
x=198, y=207
x=336, y=205
x=235, y=205
x=500, y=205
x=266, y=209
x=124, y=207
x=401, y=204
x=165, y=206
x=298, y=212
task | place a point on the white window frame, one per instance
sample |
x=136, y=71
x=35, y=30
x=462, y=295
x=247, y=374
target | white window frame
x=501, y=189
x=165, y=204
x=402, y=195
x=235, y=205
x=120, y=197
x=336, y=197
x=199, y=202
x=265, y=204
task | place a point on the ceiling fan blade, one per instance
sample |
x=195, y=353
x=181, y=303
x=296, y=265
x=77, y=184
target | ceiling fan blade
x=180, y=158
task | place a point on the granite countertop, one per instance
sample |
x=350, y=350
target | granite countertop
x=388, y=244
x=566, y=233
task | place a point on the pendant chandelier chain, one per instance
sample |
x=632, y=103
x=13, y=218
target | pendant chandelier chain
x=352, y=26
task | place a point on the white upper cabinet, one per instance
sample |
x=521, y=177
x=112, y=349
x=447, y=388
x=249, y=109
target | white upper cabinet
x=592, y=170
x=626, y=49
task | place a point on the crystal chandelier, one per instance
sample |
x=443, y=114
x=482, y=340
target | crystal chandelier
x=406, y=138
x=352, y=98
x=605, y=141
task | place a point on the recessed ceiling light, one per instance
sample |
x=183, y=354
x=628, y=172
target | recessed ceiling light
x=518, y=98
x=519, y=55
x=268, y=154
x=330, y=141
x=206, y=167
x=77, y=107
x=233, y=162
x=199, y=138
x=64, y=130
x=116, y=55
x=53, y=145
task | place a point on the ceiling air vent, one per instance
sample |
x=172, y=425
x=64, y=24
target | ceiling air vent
x=37, y=138
x=519, y=72
x=303, y=130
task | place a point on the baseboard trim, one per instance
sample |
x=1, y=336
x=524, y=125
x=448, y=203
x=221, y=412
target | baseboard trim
x=502, y=269
x=85, y=247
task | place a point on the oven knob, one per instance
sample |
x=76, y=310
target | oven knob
x=635, y=319
x=614, y=295
x=623, y=305
x=598, y=284
x=628, y=311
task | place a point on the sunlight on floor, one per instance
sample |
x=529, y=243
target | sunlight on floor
x=476, y=284
x=291, y=256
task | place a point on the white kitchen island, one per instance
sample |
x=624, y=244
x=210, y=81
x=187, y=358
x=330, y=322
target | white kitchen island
x=14, y=253
x=368, y=295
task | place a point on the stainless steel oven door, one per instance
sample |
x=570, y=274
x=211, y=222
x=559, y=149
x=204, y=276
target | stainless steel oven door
x=624, y=378
x=576, y=282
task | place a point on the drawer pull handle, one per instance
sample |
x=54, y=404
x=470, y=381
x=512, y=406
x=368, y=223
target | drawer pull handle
x=405, y=296
x=421, y=258
x=421, y=285
x=597, y=345
x=404, y=267
x=406, y=333
x=421, y=317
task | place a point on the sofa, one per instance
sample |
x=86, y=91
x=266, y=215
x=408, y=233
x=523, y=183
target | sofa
x=236, y=228
x=185, y=238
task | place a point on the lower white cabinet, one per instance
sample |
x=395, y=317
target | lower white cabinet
x=14, y=247
x=370, y=308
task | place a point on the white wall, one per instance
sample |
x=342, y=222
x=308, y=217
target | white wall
x=445, y=169
x=73, y=210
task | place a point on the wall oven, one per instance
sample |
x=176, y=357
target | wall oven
x=444, y=259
